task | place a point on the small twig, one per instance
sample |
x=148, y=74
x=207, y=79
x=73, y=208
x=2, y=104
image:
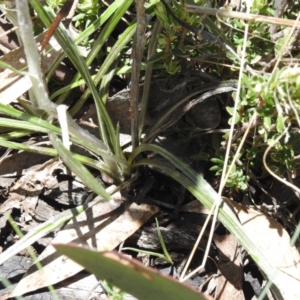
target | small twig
x=9, y=31
x=5, y=155
x=182, y=278
x=239, y=15
x=292, y=186
x=64, y=11
x=246, y=126
x=225, y=173
x=285, y=45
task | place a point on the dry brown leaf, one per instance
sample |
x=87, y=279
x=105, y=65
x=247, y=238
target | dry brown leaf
x=15, y=165
x=95, y=228
x=25, y=192
x=274, y=243
x=230, y=281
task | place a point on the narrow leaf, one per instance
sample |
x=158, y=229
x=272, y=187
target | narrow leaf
x=129, y=275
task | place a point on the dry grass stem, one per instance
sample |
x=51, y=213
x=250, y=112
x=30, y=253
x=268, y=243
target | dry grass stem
x=239, y=15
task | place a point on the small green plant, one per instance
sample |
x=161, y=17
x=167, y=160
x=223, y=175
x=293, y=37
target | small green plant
x=55, y=3
x=113, y=292
x=87, y=12
x=237, y=179
x=275, y=99
x=178, y=42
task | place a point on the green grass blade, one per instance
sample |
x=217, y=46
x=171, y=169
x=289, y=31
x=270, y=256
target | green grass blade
x=40, y=125
x=73, y=54
x=162, y=243
x=40, y=231
x=111, y=57
x=85, y=34
x=96, y=164
x=207, y=196
x=120, y=9
x=76, y=167
x=135, y=278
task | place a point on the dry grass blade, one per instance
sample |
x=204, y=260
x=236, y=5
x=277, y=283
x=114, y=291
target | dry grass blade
x=239, y=15
x=226, y=172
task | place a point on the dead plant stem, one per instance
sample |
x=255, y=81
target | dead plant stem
x=226, y=173
x=239, y=15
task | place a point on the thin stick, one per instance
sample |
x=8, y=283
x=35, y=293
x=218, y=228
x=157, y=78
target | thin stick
x=61, y=14
x=213, y=211
x=224, y=173
x=182, y=278
x=284, y=47
x=292, y=186
x=238, y=15
x=137, y=55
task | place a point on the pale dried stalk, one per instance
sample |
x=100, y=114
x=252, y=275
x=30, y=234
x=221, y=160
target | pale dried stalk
x=225, y=173
x=239, y=15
